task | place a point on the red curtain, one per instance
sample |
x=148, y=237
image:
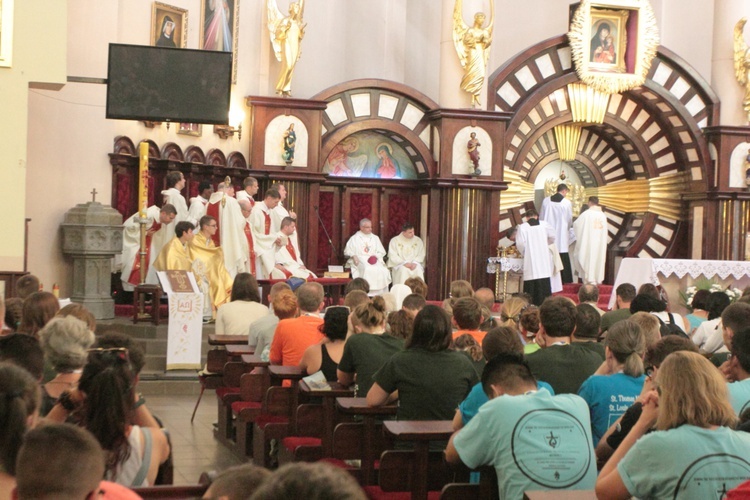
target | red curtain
x=325, y=208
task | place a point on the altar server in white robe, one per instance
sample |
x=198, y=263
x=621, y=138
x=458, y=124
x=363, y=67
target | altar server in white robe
x=199, y=203
x=157, y=219
x=591, y=242
x=532, y=240
x=406, y=255
x=365, y=253
x=230, y=235
x=279, y=211
x=288, y=258
x=558, y=212
x=173, y=196
x=250, y=185
x=265, y=239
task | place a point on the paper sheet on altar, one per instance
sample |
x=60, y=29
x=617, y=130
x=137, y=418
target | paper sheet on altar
x=184, y=333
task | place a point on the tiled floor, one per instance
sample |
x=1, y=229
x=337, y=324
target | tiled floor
x=194, y=448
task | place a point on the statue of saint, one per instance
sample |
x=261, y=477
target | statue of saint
x=472, y=44
x=472, y=147
x=286, y=38
x=742, y=62
x=290, y=139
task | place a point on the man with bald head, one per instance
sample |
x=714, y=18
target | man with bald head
x=365, y=253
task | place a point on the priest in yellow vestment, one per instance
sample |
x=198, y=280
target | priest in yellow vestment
x=208, y=263
x=174, y=255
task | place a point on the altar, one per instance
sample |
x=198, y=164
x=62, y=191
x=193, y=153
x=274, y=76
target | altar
x=677, y=274
x=508, y=273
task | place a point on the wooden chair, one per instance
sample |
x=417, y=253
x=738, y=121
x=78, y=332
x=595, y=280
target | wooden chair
x=140, y=297
x=228, y=393
x=397, y=475
x=212, y=378
x=253, y=387
x=486, y=489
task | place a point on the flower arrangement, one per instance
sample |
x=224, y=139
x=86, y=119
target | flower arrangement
x=711, y=286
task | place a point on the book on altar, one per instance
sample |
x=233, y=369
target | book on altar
x=180, y=282
x=317, y=381
x=336, y=272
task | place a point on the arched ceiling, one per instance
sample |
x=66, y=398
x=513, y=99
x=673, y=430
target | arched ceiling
x=649, y=132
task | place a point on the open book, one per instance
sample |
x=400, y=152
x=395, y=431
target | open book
x=317, y=381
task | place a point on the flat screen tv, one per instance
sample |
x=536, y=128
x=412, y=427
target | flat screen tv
x=168, y=85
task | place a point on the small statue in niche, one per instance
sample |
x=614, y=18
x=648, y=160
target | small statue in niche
x=472, y=147
x=290, y=140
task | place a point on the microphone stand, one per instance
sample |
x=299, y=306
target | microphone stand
x=330, y=242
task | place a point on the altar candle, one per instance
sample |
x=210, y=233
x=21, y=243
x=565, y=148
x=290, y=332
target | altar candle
x=143, y=178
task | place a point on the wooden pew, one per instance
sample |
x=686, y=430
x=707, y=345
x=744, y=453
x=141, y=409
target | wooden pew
x=225, y=340
x=229, y=393
x=313, y=437
x=172, y=492
x=237, y=350
x=278, y=413
x=420, y=433
x=369, y=432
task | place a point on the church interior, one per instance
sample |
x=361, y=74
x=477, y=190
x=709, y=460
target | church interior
x=660, y=132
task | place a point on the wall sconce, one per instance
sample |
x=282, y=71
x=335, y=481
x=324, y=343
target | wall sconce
x=226, y=131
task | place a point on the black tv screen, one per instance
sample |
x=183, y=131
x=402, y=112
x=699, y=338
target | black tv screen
x=166, y=84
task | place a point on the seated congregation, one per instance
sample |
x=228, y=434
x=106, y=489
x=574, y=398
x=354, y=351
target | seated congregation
x=391, y=395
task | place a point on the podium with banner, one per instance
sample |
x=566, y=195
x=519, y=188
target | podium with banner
x=184, y=333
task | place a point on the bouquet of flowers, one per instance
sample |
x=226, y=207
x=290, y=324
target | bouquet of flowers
x=711, y=286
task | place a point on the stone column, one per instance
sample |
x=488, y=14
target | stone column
x=92, y=235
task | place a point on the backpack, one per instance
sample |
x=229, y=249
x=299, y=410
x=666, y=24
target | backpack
x=670, y=328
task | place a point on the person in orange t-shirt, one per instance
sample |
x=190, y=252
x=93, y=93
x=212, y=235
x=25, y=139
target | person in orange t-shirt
x=467, y=316
x=293, y=336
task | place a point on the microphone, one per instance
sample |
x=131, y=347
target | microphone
x=330, y=242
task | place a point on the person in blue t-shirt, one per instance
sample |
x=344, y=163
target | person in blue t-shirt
x=534, y=440
x=617, y=384
x=499, y=340
x=694, y=453
x=739, y=371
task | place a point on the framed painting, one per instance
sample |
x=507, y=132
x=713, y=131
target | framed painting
x=219, y=27
x=168, y=26
x=6, y=33
x=194, y=129
x=613, y=43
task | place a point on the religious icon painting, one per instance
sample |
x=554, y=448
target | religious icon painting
x=194, y=129
x=6, y=33
x=168, y=26
x=219, y=27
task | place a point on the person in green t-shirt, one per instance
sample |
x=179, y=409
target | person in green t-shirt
x=431, y=380
x=367, y=351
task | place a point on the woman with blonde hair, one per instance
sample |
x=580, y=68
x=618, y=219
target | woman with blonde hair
x=694, y=452
x=368, y=349
x=459, y=290
x=617, y=384
x=511, y=314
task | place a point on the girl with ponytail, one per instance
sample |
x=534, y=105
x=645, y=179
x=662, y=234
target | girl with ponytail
x=105, y=404
x=619, y=381
x=19, y=409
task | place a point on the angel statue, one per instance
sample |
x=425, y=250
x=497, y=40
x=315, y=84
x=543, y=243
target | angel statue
x=286, y=38
x=742, y=62
x=472, y=45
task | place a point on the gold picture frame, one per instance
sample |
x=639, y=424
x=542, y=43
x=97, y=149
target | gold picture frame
x=6, y=33
x=169, y=26
x=219, y=28
x=194, y=129
x=613, y=43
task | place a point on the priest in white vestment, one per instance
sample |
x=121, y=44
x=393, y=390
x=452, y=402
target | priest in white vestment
x=558, y=213
x=406, y=255
x=199, y=203
x=265, y=239
x=157, y=219
x=365, y=253
x=173, y=196
x=230, y=235
x=288, y=258
x=250, y=185
x=591, y=242
x=532, y=240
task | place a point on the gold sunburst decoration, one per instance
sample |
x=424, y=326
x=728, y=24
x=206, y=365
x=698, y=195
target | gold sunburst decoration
x=567, y=137
x=603, y=56
x=660, y=195
x=519, y=190
x=587, y=105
